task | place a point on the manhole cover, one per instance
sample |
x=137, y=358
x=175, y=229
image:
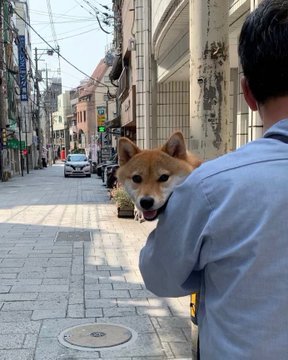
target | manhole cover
x=91, y=337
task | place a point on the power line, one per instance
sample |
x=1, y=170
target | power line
x=52, y=23
x=53, y=32
x=96, y=14
x=64, y=22
x=72, y=36
x=58, y=53
x=44, y=13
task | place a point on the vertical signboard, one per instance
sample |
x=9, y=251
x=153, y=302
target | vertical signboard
x=22, y=68
x=101, y=115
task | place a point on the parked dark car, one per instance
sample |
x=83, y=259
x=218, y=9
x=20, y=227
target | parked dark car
x=110, y=178
x=101, y=167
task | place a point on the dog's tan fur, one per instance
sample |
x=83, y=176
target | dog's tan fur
x=149, y=176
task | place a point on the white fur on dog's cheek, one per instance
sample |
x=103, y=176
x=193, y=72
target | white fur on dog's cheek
x=131, y=192
x=174, y=181
x=177, y=180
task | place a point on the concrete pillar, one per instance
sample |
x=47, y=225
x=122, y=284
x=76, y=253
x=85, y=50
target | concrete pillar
x=209, y=78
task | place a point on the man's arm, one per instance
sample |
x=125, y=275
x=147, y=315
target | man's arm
x=178, y=249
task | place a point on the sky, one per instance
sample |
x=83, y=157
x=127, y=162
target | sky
x=72, y=24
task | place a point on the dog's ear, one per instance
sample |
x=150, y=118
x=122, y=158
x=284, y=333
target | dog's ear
x=126, y=150
x=175, y=146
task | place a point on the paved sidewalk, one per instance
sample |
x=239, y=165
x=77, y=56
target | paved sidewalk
x=66, y=259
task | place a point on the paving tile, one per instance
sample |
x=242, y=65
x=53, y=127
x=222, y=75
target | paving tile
x=119, y=311
x=15, y=316
x=48, y=286
x=49, y=314
x=9, y=342
x=112, y=294
x=29, y=327
x=17, y=354
x=146, y=345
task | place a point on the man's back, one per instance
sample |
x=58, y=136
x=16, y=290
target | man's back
x=233, y=242
x=246, y=270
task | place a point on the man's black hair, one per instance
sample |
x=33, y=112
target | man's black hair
x=263, y=50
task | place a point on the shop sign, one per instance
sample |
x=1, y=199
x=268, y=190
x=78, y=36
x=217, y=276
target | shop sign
x=101, y=115
x=22, y=68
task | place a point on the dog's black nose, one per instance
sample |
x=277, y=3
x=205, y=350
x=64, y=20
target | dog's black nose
x=147, y=202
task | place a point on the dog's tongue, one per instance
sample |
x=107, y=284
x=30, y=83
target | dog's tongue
x=150, y=215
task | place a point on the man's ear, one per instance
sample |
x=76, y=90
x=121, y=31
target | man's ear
x=249, y=97
x=126, y=150
x=175, y=146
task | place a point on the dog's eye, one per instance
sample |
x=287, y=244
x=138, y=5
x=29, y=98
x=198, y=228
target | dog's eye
x=137, y=179
x=163, y=178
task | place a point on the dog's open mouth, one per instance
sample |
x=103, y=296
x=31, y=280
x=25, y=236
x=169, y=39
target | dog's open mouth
x=150, y=214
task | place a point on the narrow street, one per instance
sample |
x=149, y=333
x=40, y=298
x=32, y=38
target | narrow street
x=66, y=259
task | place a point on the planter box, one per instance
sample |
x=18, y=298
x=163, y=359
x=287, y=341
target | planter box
x=125, y=212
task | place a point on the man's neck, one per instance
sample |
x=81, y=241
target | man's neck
x=273, y=110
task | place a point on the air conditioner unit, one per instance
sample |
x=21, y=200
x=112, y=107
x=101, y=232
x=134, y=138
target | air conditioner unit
x=131, y=44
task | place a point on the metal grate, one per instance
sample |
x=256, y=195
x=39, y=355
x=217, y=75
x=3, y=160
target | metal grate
x=73, y=236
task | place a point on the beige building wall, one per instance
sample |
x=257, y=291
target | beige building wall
x=160, y=72
x=170, y=39
x=128, y=78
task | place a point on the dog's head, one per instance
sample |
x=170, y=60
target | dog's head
x=149, y=176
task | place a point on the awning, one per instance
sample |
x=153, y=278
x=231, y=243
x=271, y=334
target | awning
x=114, y=123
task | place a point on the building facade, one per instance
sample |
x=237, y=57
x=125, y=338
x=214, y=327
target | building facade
x=17, y=145
x=173, y=55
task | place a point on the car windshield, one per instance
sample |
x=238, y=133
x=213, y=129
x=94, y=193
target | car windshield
x=77, y=157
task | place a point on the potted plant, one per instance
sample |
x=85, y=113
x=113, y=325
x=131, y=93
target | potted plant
x=125, y=206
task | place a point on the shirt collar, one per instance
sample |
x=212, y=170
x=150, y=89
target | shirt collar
x=280, y=128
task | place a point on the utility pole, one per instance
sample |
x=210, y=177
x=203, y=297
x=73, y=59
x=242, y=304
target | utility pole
x=209, y=78
x=26, y=143
x=50, y=117
x=38, y=110
x=20, y=147
x=52, y=137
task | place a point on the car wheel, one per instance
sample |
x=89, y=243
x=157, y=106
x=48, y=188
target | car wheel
x=65, y=175
x=88, y=175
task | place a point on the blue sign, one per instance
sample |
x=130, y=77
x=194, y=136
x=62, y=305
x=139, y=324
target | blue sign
x=22, y=68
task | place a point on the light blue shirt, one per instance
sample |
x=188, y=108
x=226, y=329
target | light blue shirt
x=224, y=233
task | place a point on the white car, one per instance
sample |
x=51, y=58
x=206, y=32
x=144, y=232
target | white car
x=77, y=164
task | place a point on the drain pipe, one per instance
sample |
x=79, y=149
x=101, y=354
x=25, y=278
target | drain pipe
x=147, y=70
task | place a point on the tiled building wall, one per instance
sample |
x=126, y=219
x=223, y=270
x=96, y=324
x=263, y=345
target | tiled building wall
x=172, y=109
x=233, y=107
x=242, y=117
x=143, y=74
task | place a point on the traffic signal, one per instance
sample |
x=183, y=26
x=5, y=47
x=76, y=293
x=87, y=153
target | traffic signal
x=101, y=129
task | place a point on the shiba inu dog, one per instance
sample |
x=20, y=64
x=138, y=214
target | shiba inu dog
x=149, y=176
